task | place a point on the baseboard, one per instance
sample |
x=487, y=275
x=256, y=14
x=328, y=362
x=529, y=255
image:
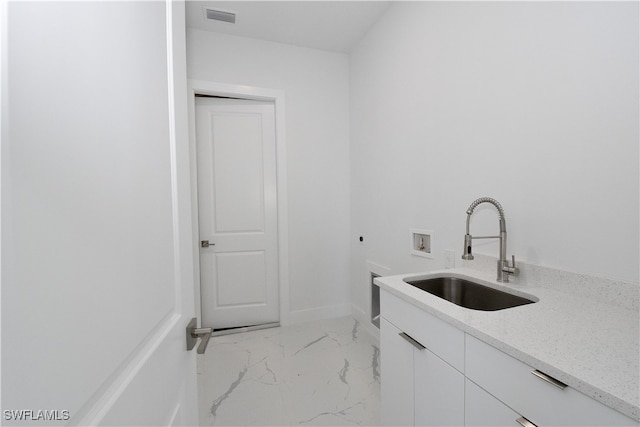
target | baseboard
x=319, y=313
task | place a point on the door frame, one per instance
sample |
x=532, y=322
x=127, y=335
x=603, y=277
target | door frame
x=201, y=87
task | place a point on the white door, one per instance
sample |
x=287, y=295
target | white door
x=97, y=281
x=237, y=209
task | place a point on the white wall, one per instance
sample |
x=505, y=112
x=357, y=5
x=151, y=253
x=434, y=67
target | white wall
x=532, y=103
x=317, y=126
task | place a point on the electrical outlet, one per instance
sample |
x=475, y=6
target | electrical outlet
x=449, y=258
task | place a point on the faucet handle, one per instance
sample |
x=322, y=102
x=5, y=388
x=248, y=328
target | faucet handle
x=511, y=269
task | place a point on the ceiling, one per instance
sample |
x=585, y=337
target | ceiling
x=328, y=25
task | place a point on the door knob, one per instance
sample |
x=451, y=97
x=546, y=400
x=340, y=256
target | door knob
x=194, y=333
x=206, y=244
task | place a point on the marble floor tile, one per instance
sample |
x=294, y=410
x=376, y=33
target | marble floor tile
x=319, y=373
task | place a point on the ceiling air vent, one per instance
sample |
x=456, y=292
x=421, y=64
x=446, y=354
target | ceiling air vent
x=220, y=15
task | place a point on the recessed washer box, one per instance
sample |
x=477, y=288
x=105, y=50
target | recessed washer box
x=421, y=242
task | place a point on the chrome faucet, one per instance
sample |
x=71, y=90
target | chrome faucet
x=504, y=269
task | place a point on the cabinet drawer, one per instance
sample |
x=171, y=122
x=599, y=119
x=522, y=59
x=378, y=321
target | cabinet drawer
x=442, y=339
x=544, y=404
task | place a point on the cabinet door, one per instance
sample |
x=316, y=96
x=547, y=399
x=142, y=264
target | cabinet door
x=396, y=374
x=439, y=391
x=482, y=409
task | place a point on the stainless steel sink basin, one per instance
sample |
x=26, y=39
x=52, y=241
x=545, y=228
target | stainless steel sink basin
x=469, y=294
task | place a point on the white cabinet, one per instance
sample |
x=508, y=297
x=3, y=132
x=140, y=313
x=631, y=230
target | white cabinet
x=460, y=380
x=396, y=369
x=482, y=409
x=438, y=391
x=541, y=402
x=418, y=387
x=442, y=339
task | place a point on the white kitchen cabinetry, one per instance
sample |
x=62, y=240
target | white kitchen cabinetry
x=396, y=367
x=482, y=409
x=460, y=380
x=540, y=401
x=438, y=391
x=418, y=386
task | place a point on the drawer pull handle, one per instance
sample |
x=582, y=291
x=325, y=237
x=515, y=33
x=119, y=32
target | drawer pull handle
x=525, y=422
x=413, y=342
x=549, y=379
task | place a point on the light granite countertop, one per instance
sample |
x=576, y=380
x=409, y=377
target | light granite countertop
x=584, y=331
